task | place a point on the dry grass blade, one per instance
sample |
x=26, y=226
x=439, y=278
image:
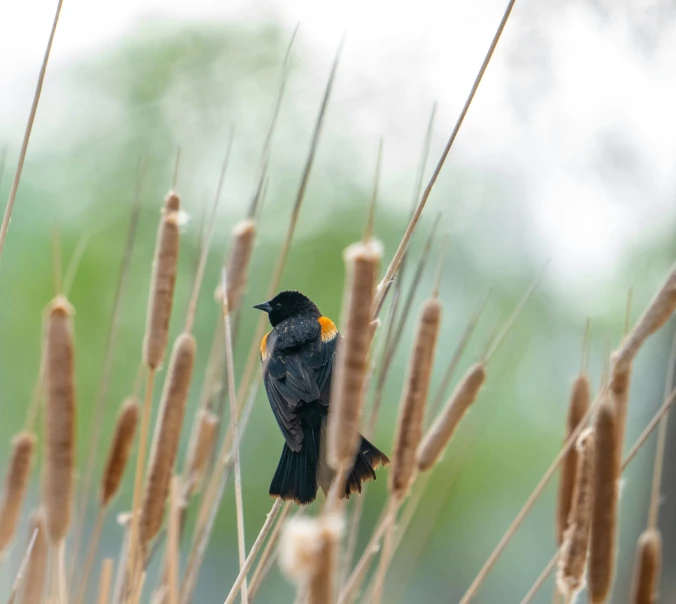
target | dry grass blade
x=59, y=431
x=441, y=432
x=170, y=422
x=399, y=254
x=16, y=482
x=362, y=261
x=579, y=404
x=647, y=568
x=573, y=557
x=541, y=579
x=27, y=133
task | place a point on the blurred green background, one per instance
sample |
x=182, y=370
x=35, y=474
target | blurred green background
x=168, y=84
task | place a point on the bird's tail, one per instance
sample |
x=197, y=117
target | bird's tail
x=299, y=473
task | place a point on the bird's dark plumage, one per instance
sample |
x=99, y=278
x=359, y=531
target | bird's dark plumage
x=297, y=358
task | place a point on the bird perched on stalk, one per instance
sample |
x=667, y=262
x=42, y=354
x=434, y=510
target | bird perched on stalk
x=297, y=357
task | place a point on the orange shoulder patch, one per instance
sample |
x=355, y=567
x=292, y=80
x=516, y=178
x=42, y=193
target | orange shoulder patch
x=329, y=330
x=264, y=346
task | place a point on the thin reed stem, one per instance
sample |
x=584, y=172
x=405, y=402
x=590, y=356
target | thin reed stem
x=399, y=254
x=91, y=553
x=240, y=581
x=4, y=227
x=105, y=580
x=173, y=551
x=24, y=565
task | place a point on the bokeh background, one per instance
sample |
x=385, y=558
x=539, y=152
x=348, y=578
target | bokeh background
x=567, y=154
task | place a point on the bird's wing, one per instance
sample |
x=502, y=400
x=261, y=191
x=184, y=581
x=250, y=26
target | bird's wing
x=296, y=377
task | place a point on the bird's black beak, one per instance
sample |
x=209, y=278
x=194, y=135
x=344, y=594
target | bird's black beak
x=265, y=307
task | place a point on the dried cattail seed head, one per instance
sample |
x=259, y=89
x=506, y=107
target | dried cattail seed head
x=163, y=456
x=241, y=249
x=59, y=384
x=604, y=509
x=412, y=407
x=163, y=282
x=438, y=436
x=647, y=569
x=577, y=409
x=36, y=570
x=201, y=447
x=308, y=554
x=363, y=262
x=573, y=559
x=172, y=202
x=120, y=448
x=18, y=473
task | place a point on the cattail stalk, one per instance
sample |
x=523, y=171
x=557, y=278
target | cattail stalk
x=441, y=432
x=647, y=570
x=604, y=510
x=577, y=409
x=412, y=408
x=173, y=546
x=160, y=303
x=59, y=381
x=105, y=581
x=200, y=450
x=362, y=261
x=36, y=570
x=116, y=463
x=16, y=482
x=242, y=242
x=163, y=456
x=573, y=557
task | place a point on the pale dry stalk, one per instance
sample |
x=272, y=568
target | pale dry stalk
x=105, y=581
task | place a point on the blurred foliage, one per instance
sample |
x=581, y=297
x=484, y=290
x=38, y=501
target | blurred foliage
x=120, y=116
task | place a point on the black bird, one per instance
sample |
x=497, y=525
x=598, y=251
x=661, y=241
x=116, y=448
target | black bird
x=297, y=358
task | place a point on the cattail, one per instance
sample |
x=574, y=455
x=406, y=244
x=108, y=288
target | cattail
x=412, y=408
x=59, y=376
x=309, y=553
x=200, y=448
x=118, y=454
x=36, y=570
x=604, y=509
x=618, y=387
x=573, y=557
x=241, y=248
x=647, y=570
x=362, y=261
x=18, y=473
x=577, y=409
x=164, y=452
x=444, y=426
x=165, y=266
x=654, y=317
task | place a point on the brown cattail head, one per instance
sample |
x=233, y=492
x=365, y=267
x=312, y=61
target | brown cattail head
x=579, y=404
x=59, y=384
x=201, y=448
x=18, y=473
x=163, y=281
x=656, y=315
x=604, y=509
x=620, y=377
x=412, y=407
x=647, y=569
x=174, y=397
x=36, y=570
x=309, y=550
x=362, y=262
x=242, y=242
x=441, y=431
x=120, y=448
x=573, y=559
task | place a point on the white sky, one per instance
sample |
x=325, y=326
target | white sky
x=570, y=108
